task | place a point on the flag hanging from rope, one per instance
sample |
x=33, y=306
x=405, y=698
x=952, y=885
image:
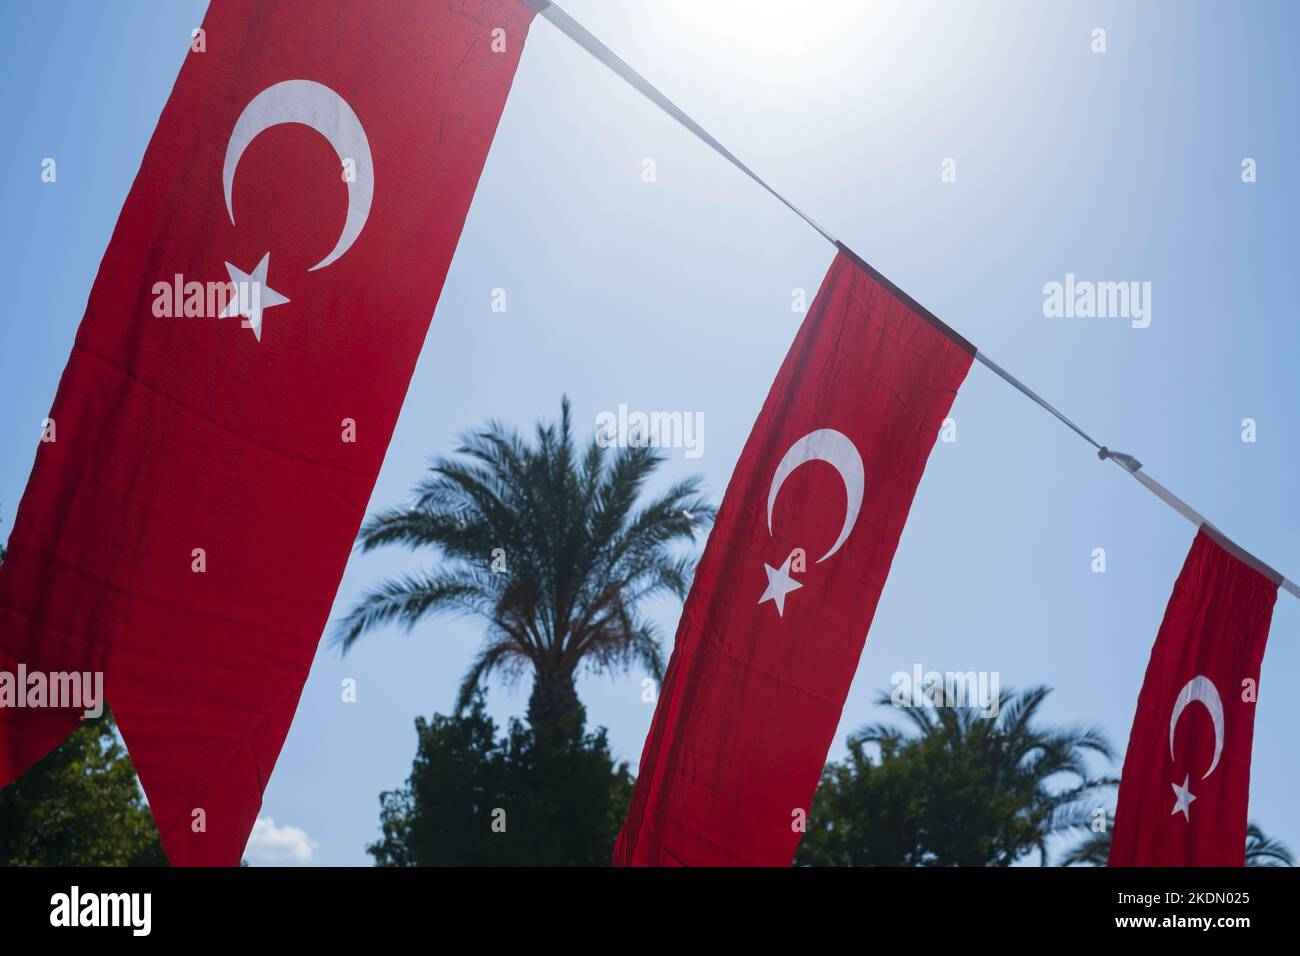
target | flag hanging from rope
x=235, y=380
x=1185, y=784
x=777, y=617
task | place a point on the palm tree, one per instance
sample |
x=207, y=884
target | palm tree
x=1261, y=850
x=547, y=548
x=964, y=790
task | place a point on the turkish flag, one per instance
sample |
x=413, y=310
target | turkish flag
x=1186, y=779
x=783, y=597
x=186, y=529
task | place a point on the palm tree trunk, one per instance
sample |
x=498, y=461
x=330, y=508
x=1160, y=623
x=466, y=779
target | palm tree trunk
x=553, y=708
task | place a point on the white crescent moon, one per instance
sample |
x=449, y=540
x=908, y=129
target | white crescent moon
x=834, y=448
x=1202, y=689
x=315, y=105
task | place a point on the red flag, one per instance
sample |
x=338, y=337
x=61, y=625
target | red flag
x=187, y=528
x=784, y=594
x=1186, y=778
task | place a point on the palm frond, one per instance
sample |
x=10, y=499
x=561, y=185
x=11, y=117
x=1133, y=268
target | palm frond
x=407, y=599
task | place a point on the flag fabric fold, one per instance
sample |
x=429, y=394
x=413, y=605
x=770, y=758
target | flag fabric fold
x=785, y=591
x=214, y=452
x=1185, y=785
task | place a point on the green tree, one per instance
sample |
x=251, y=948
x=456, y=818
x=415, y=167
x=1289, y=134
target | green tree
x=79, y=805
x=545, y=545
x=964, y=790
x=1261, y=850
x=519, y=800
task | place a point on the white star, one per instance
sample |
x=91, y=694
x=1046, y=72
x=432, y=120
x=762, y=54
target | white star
x=779, y=584
x=252, y=295
x=1182, y=799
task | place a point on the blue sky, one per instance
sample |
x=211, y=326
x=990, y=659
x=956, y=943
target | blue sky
x=675, y=295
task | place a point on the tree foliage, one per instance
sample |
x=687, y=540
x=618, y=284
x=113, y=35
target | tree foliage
x=522, y=799
x=963, y=790
x=79, y=805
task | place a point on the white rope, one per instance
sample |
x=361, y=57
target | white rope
x=1134, y=468
x=1026, y=390
x=578, y=33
